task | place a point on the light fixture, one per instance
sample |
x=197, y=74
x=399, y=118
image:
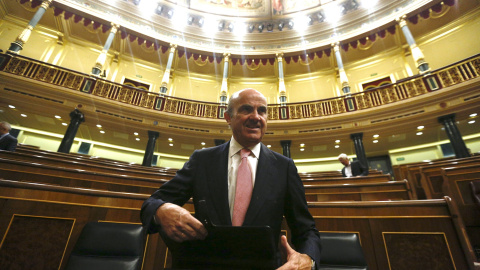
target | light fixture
x=420, y=127
x=471, y=121
x=171, y=144
x=138, y=139
x=201, y=21
x=159, y=9
x=302, y=149
x=375, y=141
x=64, y=124
x=99, y=126
x=320, y=17
x=302, y=145
x=376, y=136
x=221, y=25
x=202, y=143
x=290, y=24
x=135, y=133
x=11, y=106
x=170, y=13
x=337, y=146
x=269, y=146
x=102, y=131
x=473, y=115
x=280, y=26
x=23, y=115
x=58, y=116
x=419, y=133
x=231, y=26
x=337, y=141
x=260, y=27
x=170, y=139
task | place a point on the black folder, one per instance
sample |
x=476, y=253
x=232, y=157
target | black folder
x=228, y=247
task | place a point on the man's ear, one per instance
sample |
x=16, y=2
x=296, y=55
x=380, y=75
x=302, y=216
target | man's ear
x=226, y=115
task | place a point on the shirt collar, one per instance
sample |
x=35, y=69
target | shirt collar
x=235, y=147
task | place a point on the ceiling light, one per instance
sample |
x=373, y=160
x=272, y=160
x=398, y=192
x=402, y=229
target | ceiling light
x=99, y=126
x=11, y=106
x=419, y=133
x=376, y=136
x=269, y=146
x=301, y=149
x=337, y=146
x=102, y=131
x=337, y=141
x=202, y=143
x=138, y=139
x=302, y=145
x=420, y=127
x=471, y=121
x=473, y=115
x=375, y=141
x=58, y=116
x=171, y=144
x=135, y=133
x=64, y=124
x=23, y=115
x=170, y=139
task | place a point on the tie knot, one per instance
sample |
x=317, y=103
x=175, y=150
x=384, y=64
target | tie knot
x=245, y=152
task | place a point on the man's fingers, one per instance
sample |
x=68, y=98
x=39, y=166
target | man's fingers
x=286, y=247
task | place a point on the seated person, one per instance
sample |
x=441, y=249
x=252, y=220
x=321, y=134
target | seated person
x=354, y=168
x=7, y=141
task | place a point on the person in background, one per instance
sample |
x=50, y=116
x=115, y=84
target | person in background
x=354, y=168
x=276, y=189
x=7, y=141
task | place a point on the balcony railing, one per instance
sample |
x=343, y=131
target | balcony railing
x=404, y=89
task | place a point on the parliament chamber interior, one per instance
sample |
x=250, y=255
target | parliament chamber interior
x=108, y=99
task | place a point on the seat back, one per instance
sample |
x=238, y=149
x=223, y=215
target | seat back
x=341, y=251
x=475, y=185
x=105, y=245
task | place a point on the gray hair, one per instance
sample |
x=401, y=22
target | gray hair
x=6, y=125
x=342, y=156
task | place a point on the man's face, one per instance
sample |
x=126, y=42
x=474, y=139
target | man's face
x=3, y=129
x=344, y=161
x=249, y=118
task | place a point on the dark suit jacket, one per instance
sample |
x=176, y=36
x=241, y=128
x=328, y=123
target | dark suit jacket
x=8, y=142
x=357, y=169
x=278, y=192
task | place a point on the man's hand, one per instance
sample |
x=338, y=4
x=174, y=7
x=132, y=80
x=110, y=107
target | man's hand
x=179, y=224
x=295, y=260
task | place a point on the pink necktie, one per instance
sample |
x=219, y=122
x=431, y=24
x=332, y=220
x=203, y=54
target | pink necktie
x=243, y=191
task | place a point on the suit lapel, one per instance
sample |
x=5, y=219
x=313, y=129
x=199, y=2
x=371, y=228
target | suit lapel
x=263, y=183
x=217, y=179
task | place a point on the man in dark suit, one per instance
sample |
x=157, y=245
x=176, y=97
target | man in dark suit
x=354, y=168
x=210, y=175
x=7, y=141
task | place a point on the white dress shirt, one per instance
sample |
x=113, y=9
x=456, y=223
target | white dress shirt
x=234, y=160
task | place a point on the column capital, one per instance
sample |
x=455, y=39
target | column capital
x=46, y=4
x=401, y=20
x=335, y=46
x=279, y=56
x=115, y=27
x=173, y=46
x=443, y=119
